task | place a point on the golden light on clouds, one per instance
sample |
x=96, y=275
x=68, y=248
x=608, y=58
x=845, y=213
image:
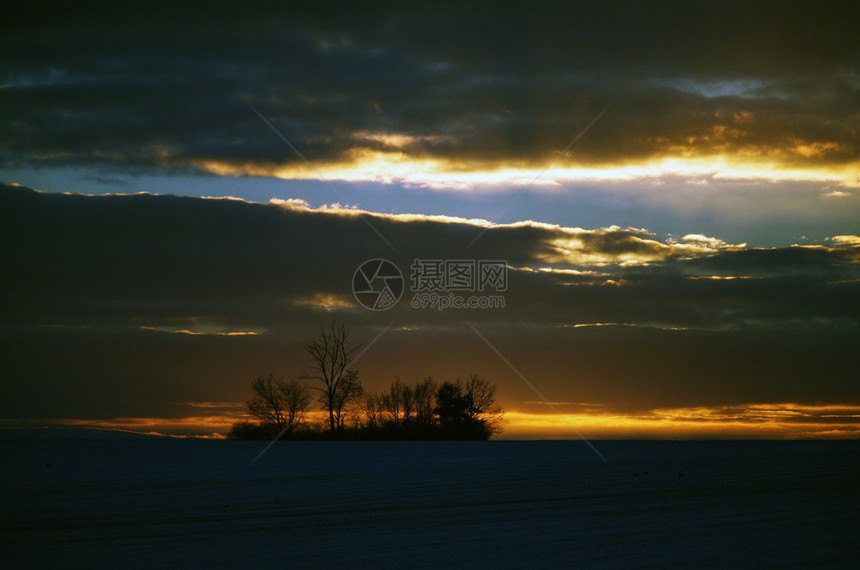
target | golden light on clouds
x=202, y=329
x=769, y=421
x=209, y=426
x=211, y=420
x=846, y=240
x=324, y=301
x=342, y=210
x=814, y=149
x=716, y=151
x=439, y=173
x=586, y=247
x=757, y=421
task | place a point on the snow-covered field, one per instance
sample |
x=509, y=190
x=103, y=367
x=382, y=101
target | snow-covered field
x=193, y=503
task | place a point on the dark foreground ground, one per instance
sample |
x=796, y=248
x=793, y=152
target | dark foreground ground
x=191, y=503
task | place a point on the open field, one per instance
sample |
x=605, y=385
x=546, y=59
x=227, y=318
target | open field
x=192, y=503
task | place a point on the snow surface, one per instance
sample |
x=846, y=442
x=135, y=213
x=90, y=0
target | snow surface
x=194, y=503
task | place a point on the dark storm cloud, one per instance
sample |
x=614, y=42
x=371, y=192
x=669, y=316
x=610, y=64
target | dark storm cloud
x=636, y=369
x=171, y=85
x=810, y=261
x=118, y=306
x=167, y=261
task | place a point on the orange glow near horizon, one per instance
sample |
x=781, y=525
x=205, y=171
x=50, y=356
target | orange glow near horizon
x=753, y=421
x=750, y=421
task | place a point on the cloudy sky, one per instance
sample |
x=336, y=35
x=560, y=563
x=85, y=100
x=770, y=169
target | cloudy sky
x=674, y=189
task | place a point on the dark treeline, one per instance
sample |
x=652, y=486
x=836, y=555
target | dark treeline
x=426, y=410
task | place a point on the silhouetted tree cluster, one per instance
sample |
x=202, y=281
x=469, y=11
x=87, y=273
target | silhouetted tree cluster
x=462, y=409
x=427, y=410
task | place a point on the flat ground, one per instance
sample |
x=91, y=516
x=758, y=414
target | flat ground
x=192, y=503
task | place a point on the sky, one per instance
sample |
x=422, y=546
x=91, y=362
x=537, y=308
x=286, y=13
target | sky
x=671, y=191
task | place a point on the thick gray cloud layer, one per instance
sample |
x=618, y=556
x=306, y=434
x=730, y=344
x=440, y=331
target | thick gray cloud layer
x=142, y=258
x=162, y=84
x=95, y=290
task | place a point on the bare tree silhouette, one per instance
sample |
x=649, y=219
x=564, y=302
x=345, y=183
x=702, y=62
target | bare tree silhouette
x=425, y=396
x=347, y=398
x=278, y=403
x=331, y=359
x=402, y=405
x=483, y=408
